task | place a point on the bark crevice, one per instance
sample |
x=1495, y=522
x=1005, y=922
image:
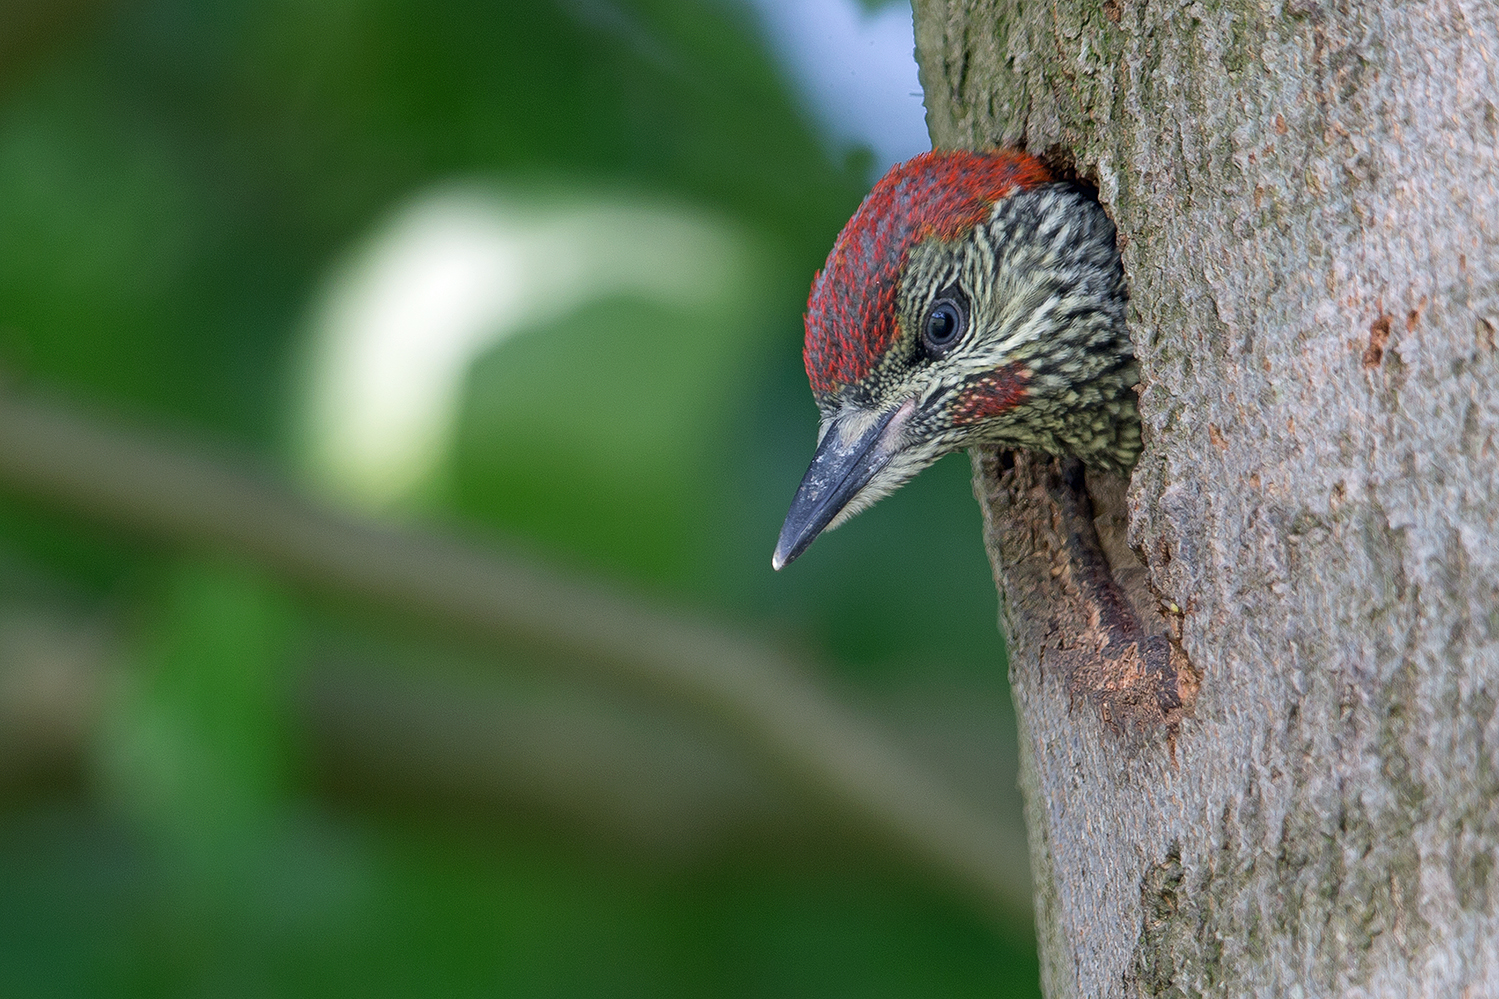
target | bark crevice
x=1084, y=594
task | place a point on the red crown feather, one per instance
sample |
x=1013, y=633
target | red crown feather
x=851, y=312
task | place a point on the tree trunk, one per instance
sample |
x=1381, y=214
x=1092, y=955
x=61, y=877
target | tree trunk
x=1285, y=779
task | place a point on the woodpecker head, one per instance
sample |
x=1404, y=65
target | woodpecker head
x=970, y=300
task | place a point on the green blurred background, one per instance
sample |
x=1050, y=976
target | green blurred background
x=530, y=273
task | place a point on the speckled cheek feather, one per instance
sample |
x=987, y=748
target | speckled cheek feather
x=991, y=395
x=851, y=311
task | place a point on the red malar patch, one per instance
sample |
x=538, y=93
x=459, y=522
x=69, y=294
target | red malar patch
x=991, y=395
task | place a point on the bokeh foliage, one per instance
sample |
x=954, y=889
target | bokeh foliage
x=177, y=179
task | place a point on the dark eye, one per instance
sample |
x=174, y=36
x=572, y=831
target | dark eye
x=944, y=325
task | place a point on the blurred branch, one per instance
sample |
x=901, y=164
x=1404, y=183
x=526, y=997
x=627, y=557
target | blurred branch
x=643, y=779
x=51, y=689
x=617, y=772
x=143, y=482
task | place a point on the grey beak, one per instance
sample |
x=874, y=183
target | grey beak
x=838, y=471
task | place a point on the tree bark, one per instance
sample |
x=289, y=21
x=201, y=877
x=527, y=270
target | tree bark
x=1297, y=791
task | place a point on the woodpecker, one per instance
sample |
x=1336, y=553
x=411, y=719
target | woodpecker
x=971, y=300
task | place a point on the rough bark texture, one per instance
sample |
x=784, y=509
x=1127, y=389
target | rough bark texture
x=1307, y=196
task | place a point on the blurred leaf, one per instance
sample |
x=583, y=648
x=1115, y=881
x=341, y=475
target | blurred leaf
x=197, y=749
x=95, y=234
x=594, y=432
